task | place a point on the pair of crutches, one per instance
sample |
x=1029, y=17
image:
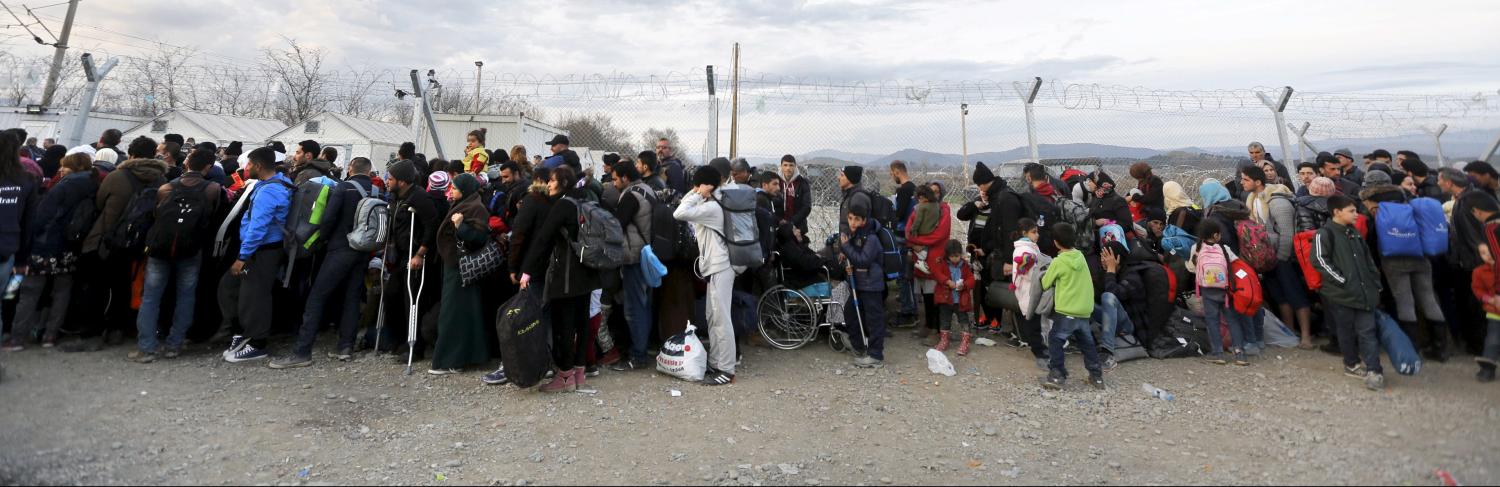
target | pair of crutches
x=412, y=298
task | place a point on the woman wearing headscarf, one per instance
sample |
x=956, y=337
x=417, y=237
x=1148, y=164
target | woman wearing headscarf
x=931, y=233
x=1179, y=208
x=1152, y=188
x=569, y=284
x=1107, y=204
x=461, y=334
x=1224, y=209
x=52, y=160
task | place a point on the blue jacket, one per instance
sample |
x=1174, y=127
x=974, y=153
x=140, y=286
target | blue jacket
x=262, y=223
x=56, y=211
x=552, y=161
x=18, y=202
x=863, y=252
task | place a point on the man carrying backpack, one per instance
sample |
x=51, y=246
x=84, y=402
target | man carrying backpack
x=254, y=274
x=185, y=216
x=853, y=195
x=700, y=209
x=341, y=275
x=306, y=165
x=126, y=198
x=1272, y=206
x=634, y=210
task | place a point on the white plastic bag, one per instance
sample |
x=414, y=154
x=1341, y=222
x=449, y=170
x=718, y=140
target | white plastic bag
x=683, y=357
x=939, y=364
x=1277, y=334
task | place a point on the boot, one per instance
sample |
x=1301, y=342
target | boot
x=942, y=345
x=1442, y=342
x=562, y=382
x=963, y=344
x=579, y=374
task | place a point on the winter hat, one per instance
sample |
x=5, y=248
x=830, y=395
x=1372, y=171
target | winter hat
x=1344, y=152
x=107, y=155
x=707, y=175
x=438, y=181
x=404, y=171
x=1322, y=187
x=234, y=148
x=1373, y=178
x=854, y=173
x=466, y=183
x=859, y=211
x=1155, y=214
x=1212, y=191
x=982, y=174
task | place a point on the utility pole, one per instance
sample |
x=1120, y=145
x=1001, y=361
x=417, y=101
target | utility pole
x=713, y=117
x=81, y=115
x=734, y=109
x=478, y=78
x=57, y=55
x=964, y=122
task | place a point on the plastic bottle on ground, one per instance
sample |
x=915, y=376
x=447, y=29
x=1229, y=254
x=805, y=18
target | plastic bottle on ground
x=1156, y=392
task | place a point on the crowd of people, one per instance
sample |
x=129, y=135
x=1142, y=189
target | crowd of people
x=249, y=244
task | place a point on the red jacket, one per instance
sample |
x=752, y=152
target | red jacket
x=944, y=294
x=936, y=242
x=1486, y=278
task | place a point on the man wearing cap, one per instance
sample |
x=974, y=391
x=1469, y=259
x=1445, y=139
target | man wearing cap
x=854, y=197
x=796, y=193
x=1351, y=170
x=414, y=224
x=672, y=166
x=558, y=144
x=701, y=210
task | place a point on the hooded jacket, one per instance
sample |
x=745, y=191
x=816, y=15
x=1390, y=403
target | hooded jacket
x=944, y=294
x=863, y=252
x=313, y=169
x=552, y=252
x=797, y=201
x=1027, y=262
x=1350, y=278
x=1486, y=278
x=56, y=210
x=117, y=190
x=1465, y=234
x=1070, y=275
x=707, y=219
x=263, y=222
x=405, y=238
x=1128, y=284
x=1003, y=225
x=532, y=210
x=1312, y=213
x=634, y=213
x=1280, y=220
x=935, y=241
x=1111, y=206
x=853, y=197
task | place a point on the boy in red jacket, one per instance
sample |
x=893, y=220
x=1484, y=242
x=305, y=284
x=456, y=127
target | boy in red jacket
x=954, y=299
x=1486, y=281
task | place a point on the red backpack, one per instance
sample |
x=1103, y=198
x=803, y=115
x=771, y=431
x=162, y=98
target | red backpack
x=1255, y=245
x=1244, y=288
x=1303, y=245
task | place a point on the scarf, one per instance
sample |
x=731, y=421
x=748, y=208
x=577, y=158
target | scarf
x=1173, y=197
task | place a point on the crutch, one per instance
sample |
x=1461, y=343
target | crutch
x=380, y=311
x=854, y=291
x=414, y=299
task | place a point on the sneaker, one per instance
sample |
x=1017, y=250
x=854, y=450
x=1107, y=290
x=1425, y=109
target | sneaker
x=290, y=362
x=1375, y=381
x=1357, y=371
x=1097, y=381
x=624, y=366
x=442, y=371
x=1042, y=363
x=1217, y=359
x=1241, y=359
x=496, y=378
x=868, y=362
x=235, y=343
x=343, y=354
x=561, y=382
x=141, y=357
x=612, y=357
x=1015, y=342
x=12, y=345
x=717, y=378
x=246, y=353
x=1109, y=364
x=1053, y=381
x=49, y=341
x=591, y=371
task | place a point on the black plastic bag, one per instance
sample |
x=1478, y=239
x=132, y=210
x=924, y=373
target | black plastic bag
x=523, y=339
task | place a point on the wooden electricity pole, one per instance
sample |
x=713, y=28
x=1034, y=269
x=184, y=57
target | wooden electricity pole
x=57, y=56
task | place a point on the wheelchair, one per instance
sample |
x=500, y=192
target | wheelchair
x=790, y=318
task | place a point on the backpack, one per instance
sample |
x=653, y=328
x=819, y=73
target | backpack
x=1432, y=225
x=180, y=223
x=135, y=222
x=81, y=223
x=371, y=222
x=1255, y=245
x=890, y=254
x=741, y=230
x=1045, y=213
x=304, y=220
x=1302, y=244
x=882, y=209
x=1077, y=214
x=1113, y=233
x=1245, y=293
x=1212, y=267
x=664, y=238
x=1397, y=231
x=1177, y=242
x=600, y=243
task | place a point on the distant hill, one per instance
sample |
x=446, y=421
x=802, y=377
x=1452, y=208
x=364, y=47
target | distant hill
x=840, y=156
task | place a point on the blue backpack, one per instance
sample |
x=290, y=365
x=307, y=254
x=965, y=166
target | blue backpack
x=1433, y=225
x=1178, y=242
x=1398, y=234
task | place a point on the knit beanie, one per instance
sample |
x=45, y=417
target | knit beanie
x=854, y=173
x=707, y=175
x=1322, y=187
x=982, y=174
x=1373, y=178
x=404, y=171
x=466, y=183
x=438, y=181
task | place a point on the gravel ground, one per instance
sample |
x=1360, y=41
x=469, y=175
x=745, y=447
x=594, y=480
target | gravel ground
x=794, y=418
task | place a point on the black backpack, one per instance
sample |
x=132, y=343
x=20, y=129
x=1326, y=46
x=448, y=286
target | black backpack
x=129, y=233
x=664, y=229
x=81, y=223
x=180, y=223
x=882, y=209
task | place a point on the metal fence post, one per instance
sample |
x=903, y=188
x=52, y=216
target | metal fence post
x=1490, y=152
x=1302, y=141
x=1437, y=141
x=416, y=86
x=1028, y=97
x=86, y=105
x=1277, y=107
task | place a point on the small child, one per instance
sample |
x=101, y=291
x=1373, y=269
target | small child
x=925, y=220
x=1027, y=260
x=1486, y=284
x=1351, y=290
x=1209, y=260
x=1069, y=274
x=955, y=301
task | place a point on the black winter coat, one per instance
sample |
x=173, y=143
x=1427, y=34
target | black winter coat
x=552, y=255
x=56, y=211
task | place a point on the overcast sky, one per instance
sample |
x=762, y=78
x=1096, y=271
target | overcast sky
x=1445, y=47
x=1442, y=47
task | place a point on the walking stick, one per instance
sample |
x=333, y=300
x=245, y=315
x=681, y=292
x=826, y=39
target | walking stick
x=414, y=299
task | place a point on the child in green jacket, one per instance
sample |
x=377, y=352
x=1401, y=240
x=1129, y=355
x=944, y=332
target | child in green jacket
x=1069, y=275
